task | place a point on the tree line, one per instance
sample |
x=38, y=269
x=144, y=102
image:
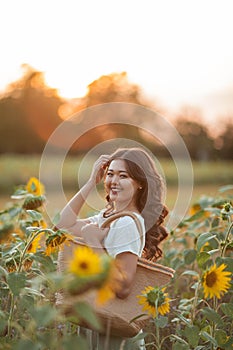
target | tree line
x=30, y=111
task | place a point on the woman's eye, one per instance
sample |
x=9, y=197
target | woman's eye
x=109, y=174
x=123, y=176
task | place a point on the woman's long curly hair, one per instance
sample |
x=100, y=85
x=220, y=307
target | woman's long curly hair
x=141, y=168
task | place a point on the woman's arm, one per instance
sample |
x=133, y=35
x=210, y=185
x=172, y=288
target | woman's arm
x=128, y=263
x=68, y=216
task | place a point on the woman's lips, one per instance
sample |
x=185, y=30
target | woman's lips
x=115, y=191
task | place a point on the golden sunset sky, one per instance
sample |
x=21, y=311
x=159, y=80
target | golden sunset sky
x=178, y=51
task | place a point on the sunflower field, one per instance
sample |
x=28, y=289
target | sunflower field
x=194, y=311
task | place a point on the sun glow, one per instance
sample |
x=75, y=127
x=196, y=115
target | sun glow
x=164, y=52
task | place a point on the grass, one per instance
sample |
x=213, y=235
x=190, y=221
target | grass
x=17, y=169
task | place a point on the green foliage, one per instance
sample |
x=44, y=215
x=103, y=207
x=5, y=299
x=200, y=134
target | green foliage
x=29, y=280
x=201, y=246
x=202, y=240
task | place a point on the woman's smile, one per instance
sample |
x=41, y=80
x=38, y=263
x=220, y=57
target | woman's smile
x=120, y=187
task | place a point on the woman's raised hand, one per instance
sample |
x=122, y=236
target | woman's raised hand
x=99, y=168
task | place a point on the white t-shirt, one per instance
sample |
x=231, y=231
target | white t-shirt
x=123, y=235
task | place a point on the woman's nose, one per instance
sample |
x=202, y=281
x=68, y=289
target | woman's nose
x=115, y=179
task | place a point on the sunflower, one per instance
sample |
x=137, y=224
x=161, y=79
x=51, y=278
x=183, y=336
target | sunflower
x=35, y=187
x=112, y=283
x=56, y=241
x=33, y=202
x=196, y=208
x=6, y=229
x=154, y=301
x=215, y=281
x=39, y=223
x=35, y=244
x=85, y=262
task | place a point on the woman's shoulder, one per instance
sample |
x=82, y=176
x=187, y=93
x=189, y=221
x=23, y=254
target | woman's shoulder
x=128, y=220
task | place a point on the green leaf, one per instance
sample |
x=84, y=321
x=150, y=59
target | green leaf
x=227, y=261
x=212, y=315
x=43, y=315
x=220, y=336
x=56, y=219
x=226, y=188
x=139, y=336
x=26, y=344
x=3, y=271
x=19, y=193
x=202, y=258
x=161, y=321
x=13, y=211
x=179, y=346
x=85, y=313
x=190, y=256
x=16, y=281
x=35, y=215
x=182, y=318
x=190, y=272
x=74, y=342
x=46, y=262
x=3, y=324
x=207, y=336
x=203, y=238
x=227, y=309
x=181, y=341
x=192, y=335
x=26, y=303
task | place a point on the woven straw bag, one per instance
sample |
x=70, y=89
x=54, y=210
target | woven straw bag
x=116, y=314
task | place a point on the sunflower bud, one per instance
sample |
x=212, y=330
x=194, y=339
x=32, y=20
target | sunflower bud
x=33, y=202
x=227, y=207
x=224, y=216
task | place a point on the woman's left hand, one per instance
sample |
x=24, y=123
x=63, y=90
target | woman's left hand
x=93, y=235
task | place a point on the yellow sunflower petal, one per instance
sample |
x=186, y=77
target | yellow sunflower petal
x=216, y=282
x=165, y=307
x=159, y=298
x=35, y=244
x=104, y=294
x=85, y=262
x=57, y=242
x=34, y=186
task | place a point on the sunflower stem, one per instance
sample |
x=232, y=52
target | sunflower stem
x=227, y=236
x=158, y=347
x=157, y=337
x=213, y=325
x=26, y=248
x=11, y=313
x=194, y=304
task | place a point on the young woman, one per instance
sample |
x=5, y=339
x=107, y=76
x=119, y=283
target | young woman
x=132, y=183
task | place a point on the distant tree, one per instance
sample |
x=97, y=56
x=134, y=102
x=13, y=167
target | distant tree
x=224, y=142
x=110, y=88
x=28, y=113
x=114, y=87
x=195, y=134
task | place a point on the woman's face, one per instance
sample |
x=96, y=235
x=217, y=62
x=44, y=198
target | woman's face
x=120, y=187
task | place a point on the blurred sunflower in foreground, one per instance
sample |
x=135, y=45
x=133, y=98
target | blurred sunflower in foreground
x=216, y=282
x=100, y=272
x=154, y=301
x=85, y=262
